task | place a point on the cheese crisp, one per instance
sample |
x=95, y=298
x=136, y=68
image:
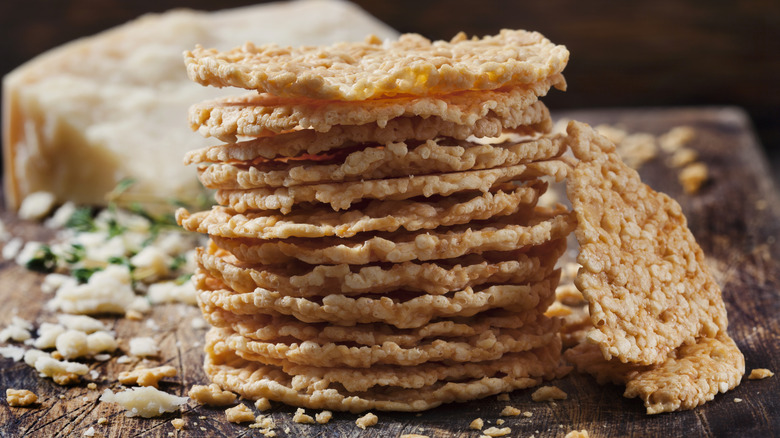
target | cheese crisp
x=372, y=69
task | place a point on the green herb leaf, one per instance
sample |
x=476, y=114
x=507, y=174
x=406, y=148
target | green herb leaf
x=183, y=279
x=81, y=220
x=44, y=260
x=178, y=261
x=83, y=274
x=76, y=253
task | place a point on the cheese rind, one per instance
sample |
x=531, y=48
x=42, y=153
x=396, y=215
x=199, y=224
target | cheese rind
x=82, y=117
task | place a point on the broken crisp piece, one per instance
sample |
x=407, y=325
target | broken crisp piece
x=367, y=420
x=20, y=397
x=760, y=373
x=146, y=376
x=643, y=273
x=239, y=414
x=211, y=395
x=548, y=393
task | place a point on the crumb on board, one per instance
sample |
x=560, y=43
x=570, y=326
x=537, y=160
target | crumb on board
x=503, y=397
x=20, y=397
x=495, y=431
x=477, y=424
x=239, y=414
x=548, y=393
x=211, y=395
x=146, y=376
x=323, y=417
x=178, y=423
x=302, y=418
x=760, y=373
x=367, y=420
x=510, y=411
x=262, y=404
x=578, y=434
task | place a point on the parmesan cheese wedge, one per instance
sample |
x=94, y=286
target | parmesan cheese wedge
x=82, y=117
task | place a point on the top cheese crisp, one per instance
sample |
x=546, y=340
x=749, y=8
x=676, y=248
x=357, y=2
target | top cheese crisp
x=374, y=69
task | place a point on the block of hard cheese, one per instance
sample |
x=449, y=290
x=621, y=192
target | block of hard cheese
x=82, y=117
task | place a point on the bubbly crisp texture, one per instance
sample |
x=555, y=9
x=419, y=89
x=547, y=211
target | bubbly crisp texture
x=20, y=397
x=391, y=309
x=309, y=141
x=146, y=376
x=436, y=278
x=271, y=328
x=254, y=115
x=643, y=273
x=404, y=246
x=385, y=216
x=376, y=162
x=372, y=69
x=489, y=345
x=254, y=380
x=691, y=376
x=342, y=195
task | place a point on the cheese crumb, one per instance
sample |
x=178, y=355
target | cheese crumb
x=503, y=397
x=18, y=330
x=146, y=376
x=494, y=431
x=413, y=435
x=323, y=417
x=262, y=404
x=548, y=393
x=510, y=411
x=20, y=397
x=301, y=417
x=143, y=347
x=89, y=432
x=760, y=373
x=737, y=400
x=73, y=343
x=178, y=423
x=239, y=414
x=145, y=401
x=500, y=421
x=172, y=292
x=106, y=291
x=477, y=424
x=527, y=414
x=61, y=372
x=367, y=420
x=102, y=421
x=92, y=386
x=577, y=434
x=36, y=205
x=12, y=352
x=212, y=395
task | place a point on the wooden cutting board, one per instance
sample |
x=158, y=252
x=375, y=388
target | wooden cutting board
x=735, y=217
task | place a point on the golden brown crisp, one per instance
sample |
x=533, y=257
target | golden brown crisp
x=309, y=141
x=239, y=414
x=548, y=393
x=435, y=277
x=760, y=373
x=397, y=159
x=495, y=235
x=146, y=376
x=253, y=380
x=371, y=69
x=341, y=195
x=255, y=115
x=643, y=273
x=211, y=395
x=20, y=397
x=387, y=216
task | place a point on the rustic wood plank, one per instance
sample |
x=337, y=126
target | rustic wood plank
x=735, y=217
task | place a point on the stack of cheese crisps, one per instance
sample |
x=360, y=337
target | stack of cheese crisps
x=377, y=243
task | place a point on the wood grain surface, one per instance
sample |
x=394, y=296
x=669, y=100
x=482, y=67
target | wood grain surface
x=735, y=217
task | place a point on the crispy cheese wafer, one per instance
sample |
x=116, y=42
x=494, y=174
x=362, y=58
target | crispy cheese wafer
x=494, y=235
x=387, y=161
x=253, y=115
x=643, y=273
x=303, y=280
x=372, y=69
x=387, y=216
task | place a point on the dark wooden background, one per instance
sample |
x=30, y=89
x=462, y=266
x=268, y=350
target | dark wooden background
x=626, y=54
